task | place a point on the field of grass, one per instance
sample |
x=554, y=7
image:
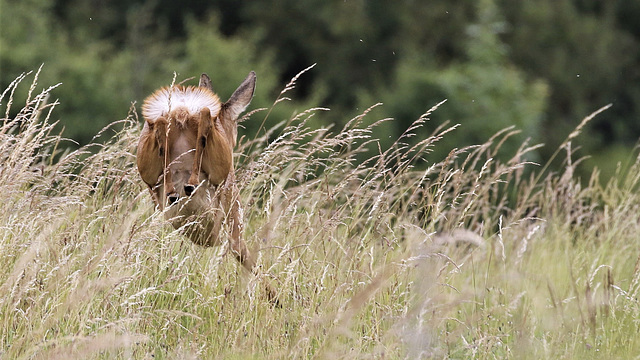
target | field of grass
x=470, y=257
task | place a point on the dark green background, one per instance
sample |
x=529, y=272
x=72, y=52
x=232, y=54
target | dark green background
x=540, y=65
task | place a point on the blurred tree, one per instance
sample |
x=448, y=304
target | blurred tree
x=588, y=62
x=485, y=92
x=34, y=38
x=351, y=42
x=437, y=28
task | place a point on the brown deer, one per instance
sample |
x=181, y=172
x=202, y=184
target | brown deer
x=185, y=156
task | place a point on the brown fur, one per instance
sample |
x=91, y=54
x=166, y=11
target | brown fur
x=186, y=159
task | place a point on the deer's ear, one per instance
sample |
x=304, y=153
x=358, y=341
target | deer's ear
x=241, y=98
x=205, y=82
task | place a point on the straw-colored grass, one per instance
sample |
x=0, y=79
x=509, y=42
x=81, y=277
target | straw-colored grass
x=375, y=258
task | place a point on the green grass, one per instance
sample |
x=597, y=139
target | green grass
x=471, y=257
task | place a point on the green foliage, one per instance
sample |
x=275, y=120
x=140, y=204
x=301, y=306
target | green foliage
x=82, y=67
x=485, y=93
x=586, y=58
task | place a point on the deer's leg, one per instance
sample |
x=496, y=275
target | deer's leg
x=161, y=134
x=239, y=248
x=204, y=129
x=213, y=222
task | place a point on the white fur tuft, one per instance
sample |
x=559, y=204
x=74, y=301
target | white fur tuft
x=169, y=98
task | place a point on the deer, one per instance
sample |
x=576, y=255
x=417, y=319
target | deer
x=185, y=157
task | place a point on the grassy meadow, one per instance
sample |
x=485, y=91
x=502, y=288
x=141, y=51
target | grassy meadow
x=469, y=257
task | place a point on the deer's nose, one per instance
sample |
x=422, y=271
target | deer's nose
x=173, y=197
x=189, y=189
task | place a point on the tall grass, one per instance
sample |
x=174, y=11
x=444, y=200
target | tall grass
x=372, y=255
